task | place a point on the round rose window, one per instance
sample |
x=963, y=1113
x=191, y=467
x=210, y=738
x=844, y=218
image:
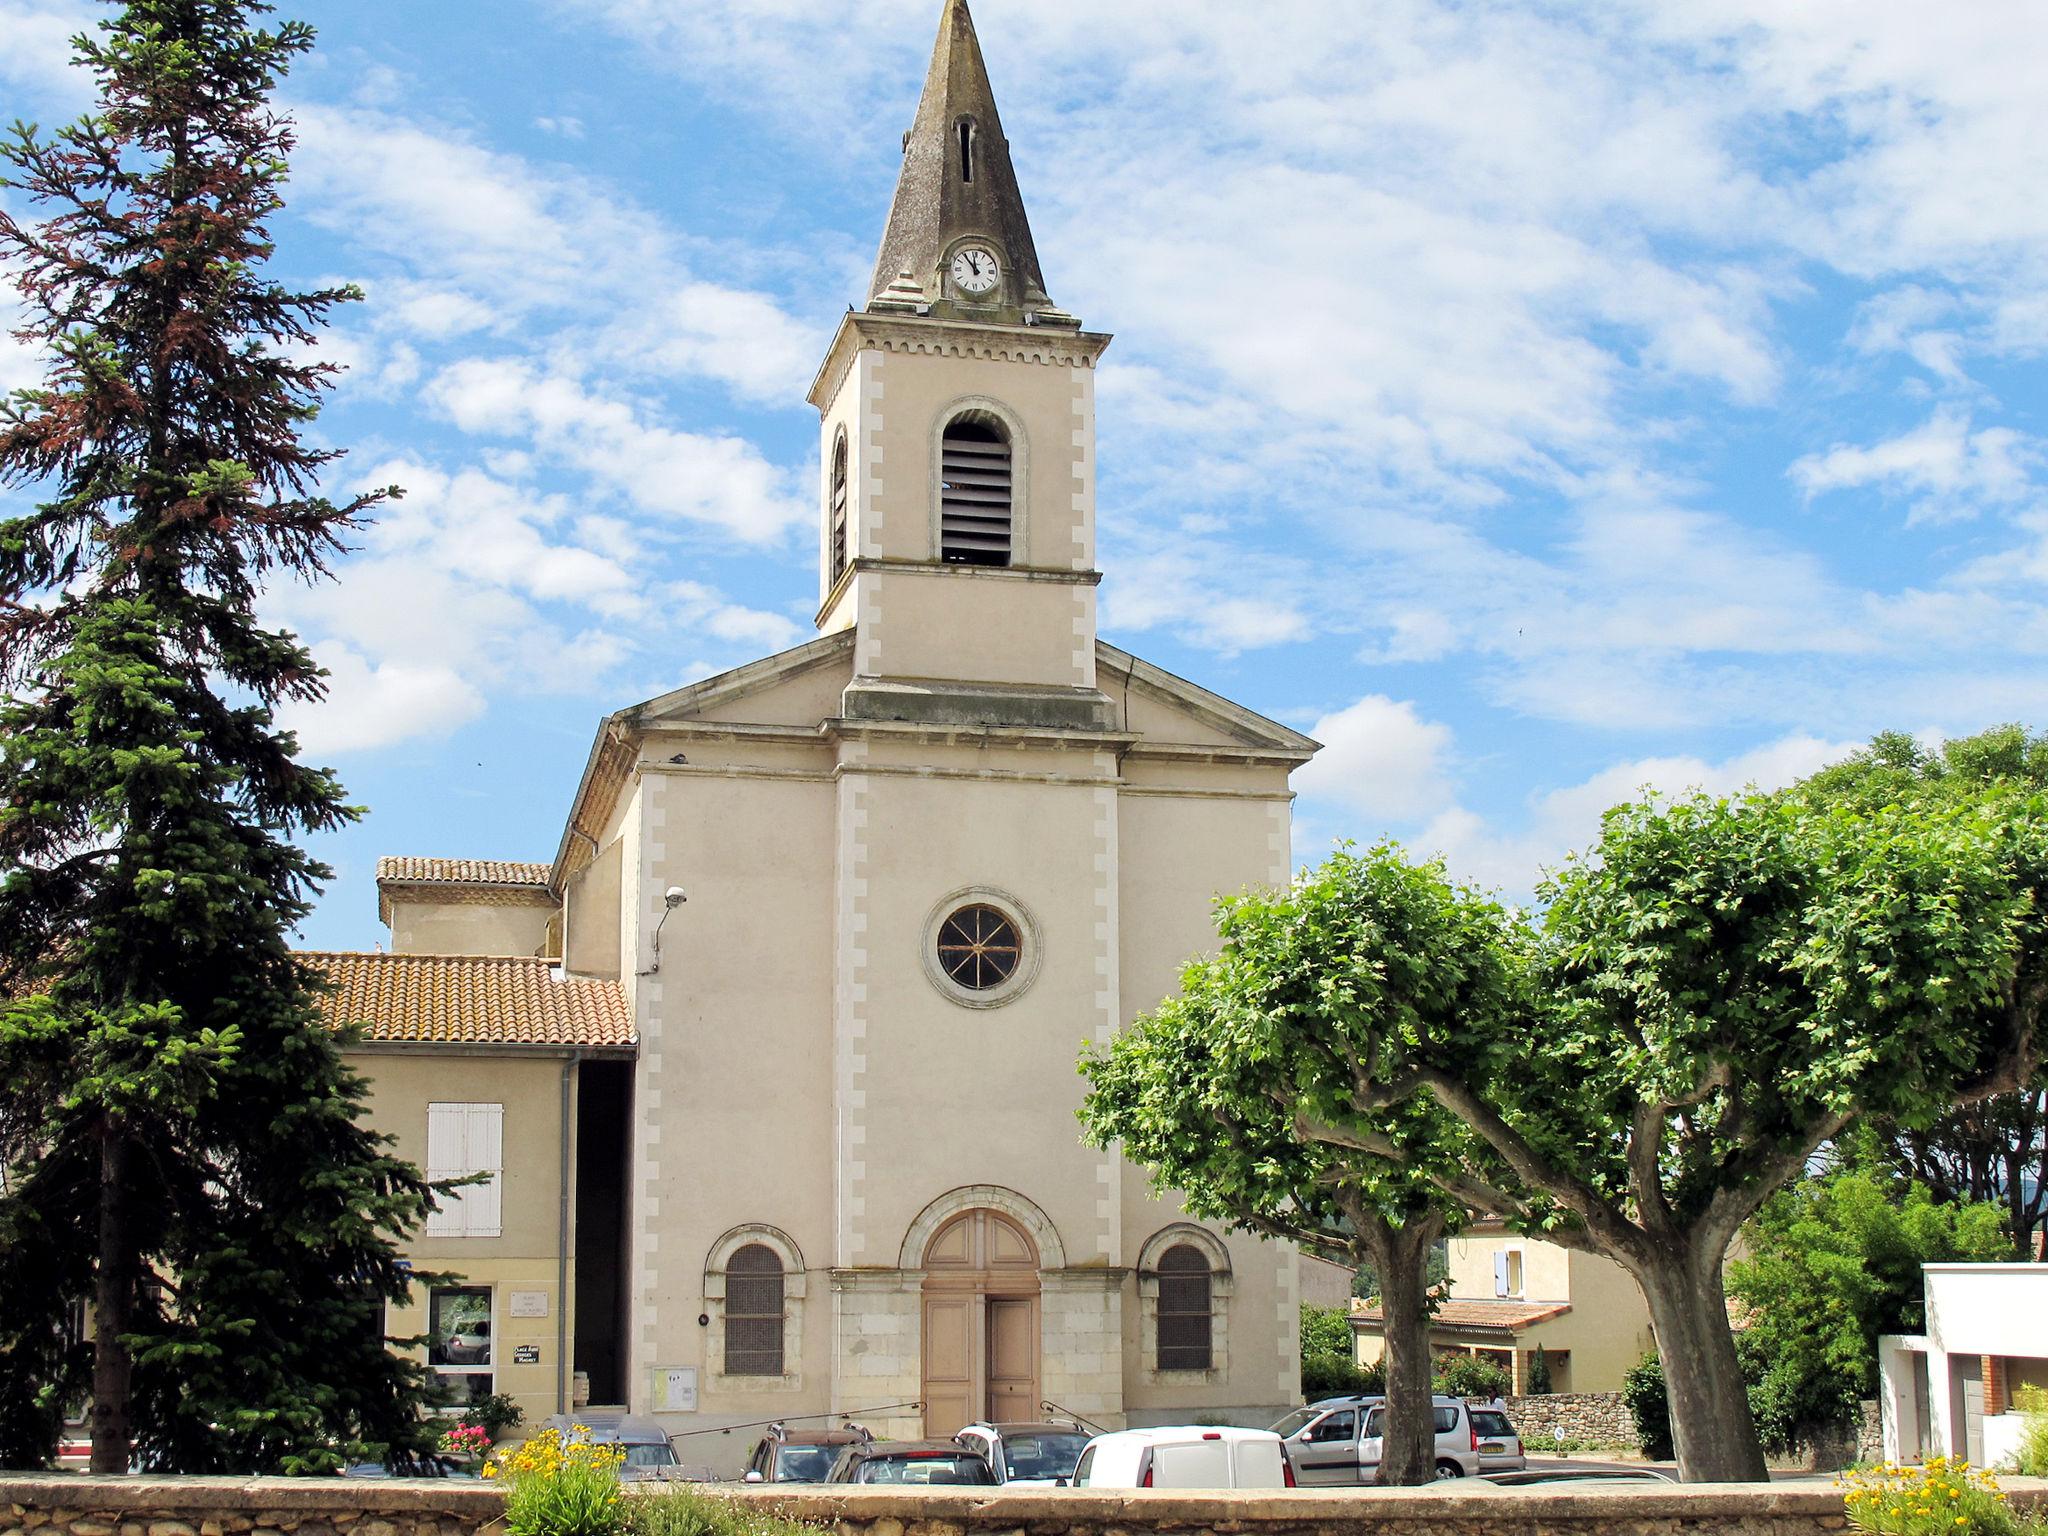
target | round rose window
x=979, y=947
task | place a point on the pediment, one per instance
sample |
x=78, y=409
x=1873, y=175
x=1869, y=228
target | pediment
x=1166, y=709
x=799, y=687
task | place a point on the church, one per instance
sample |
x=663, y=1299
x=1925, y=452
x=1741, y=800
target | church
x=774, y=1065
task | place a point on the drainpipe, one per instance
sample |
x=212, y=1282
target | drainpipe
x=562, y=1247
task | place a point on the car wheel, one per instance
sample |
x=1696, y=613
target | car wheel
x=1446, y=1470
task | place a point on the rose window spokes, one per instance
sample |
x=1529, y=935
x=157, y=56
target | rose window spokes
x=979, y=948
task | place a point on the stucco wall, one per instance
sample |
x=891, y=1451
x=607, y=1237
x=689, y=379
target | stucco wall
x=512, y=926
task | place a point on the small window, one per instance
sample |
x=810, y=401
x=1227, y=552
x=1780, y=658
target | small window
x=459, y=1341
x=465, y=1139
x=974, y=494
x=1446, y=1420
x=979, y=947
x=838, y=509
x=753, y=1312
x=965, y=129
x=1184, y=1322
x=1336, y=1426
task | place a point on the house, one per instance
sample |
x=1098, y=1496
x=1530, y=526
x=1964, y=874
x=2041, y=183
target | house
x=494, y=1065
x=864, y=901
x=1949, y=1391
x=1510, y=1295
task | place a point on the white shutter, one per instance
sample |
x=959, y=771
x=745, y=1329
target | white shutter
x=447, y=1138
x=486, y=1155
x=1500, y=1274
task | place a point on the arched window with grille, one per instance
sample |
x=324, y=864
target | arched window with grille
x=753, y=1312
x=1184, y=1309
x=836, y=515
x=974, y=493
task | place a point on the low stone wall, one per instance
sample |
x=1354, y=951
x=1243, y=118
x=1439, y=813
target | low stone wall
x=1600, y=1417
x=86, y=1506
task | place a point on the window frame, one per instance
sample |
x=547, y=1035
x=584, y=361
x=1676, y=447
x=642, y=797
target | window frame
x=988, y=411
x=838, y=512
x=1222, y=1283
x=716, y=1291
x=1195, y=1279
x=487, y=1368
x=746, y=1278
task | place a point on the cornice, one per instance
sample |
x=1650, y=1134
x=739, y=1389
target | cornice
x=860, y=331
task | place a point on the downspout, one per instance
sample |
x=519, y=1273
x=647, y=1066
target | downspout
x=562, y=1247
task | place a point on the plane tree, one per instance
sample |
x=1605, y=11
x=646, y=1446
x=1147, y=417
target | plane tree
x=1205, y=1090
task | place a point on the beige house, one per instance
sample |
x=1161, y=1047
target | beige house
x=477, y=1065
x=865, y=901
x=1511, y=1294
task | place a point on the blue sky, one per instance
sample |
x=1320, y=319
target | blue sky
x=1533, y=402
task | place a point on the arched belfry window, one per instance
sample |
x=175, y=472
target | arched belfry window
x=964, y=131
x=1184, y=1309
x=974, y=493
x=836, y=513
x=753, y=1312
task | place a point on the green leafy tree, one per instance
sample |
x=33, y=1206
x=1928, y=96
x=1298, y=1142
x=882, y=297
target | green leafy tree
x=179, y=1135
x=1720, y=988
x=1834, y=1262
x=1208, y=1091
x=1995, y=1148
x=1649, y=1405
x=1461, y=1375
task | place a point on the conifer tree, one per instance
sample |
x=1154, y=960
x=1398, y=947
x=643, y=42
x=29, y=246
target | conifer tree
x=180, y=1139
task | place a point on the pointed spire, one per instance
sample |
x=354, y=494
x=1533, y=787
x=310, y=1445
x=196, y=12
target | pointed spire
x=956, y=182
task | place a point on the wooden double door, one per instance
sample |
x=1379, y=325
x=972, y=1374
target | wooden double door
x=980, y=1343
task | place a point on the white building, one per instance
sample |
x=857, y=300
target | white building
x=1949, y=1391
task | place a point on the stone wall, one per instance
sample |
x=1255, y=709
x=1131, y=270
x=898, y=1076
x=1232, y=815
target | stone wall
x=1599, y=1417
x=47, y=1505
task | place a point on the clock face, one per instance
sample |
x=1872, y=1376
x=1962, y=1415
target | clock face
x=974, y=270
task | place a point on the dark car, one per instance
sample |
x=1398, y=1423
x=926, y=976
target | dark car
x=915, y=1463
x=399, y=1464
x=800, y=1455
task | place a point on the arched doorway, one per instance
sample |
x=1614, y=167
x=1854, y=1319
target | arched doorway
x=980, y=1323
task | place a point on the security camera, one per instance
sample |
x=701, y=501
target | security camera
x=674, y=897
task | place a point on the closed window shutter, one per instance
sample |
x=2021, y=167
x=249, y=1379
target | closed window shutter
x=1500, y=1274
x=447, y=1146
x=481, y=1202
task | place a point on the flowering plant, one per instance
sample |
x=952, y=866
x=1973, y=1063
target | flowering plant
x=466, y=1440
x=558, y=1487
x=1946, y=1497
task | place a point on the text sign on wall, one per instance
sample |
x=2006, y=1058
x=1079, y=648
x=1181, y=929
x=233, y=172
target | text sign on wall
x=526, y=1354
x=527, y=1304
x=675, y=1388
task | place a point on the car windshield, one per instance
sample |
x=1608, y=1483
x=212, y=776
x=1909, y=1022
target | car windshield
x=1295, y=1421
x=1044, y=1455
x=964, y=1468
x=650, y=1455
x=805, y=1463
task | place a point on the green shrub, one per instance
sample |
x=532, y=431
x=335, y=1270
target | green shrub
x=1339, y=1376
x=2032, y=1458
x=1539, y=1373
x=692, y=1512
x=558, y=1489
x=1469, y=1376
x=494, y=1414
x=1643, y=1390
x=1943, y=1498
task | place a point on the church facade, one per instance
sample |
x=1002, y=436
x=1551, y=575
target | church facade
x=865, y=901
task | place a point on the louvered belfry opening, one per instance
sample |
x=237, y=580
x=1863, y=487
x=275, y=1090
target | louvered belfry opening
x=1184, y=1325
x=838, y=511
x=974, y=494
x=753, y=1312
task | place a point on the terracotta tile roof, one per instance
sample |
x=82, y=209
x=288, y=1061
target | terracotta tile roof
x=418, y=871
x=472, y=1000
x=1505, y=1316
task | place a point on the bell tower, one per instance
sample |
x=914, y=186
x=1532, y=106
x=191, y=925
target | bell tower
x=957, y=443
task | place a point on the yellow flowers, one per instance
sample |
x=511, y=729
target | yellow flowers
x=1943, y=1498
x=561, y=1488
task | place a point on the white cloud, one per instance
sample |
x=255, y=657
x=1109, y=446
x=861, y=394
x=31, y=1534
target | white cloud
x=1380, y=759
x=1948, y=468
x=377, y=705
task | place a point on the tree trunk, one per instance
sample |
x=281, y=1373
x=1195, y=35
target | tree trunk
x=1408, y=1442
x=1711, y=1427
x=113, y=1297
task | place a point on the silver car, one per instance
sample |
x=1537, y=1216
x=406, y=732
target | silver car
x=649, y=1456
x=1500, y=1443
x=1337, y=1442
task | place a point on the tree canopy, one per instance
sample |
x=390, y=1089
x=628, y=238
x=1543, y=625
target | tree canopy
x=179, y=1136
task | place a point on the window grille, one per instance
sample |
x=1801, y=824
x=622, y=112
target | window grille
x=1184, y=1319
x=753, y=1312
x=974, y=495
x=838, y=513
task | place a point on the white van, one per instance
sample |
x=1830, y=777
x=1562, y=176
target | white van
x=1184, y=1456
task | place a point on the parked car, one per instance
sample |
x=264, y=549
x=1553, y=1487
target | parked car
x=1184, y=1456
x=1578, y=1477
x=1337, y=1441
x=918, y=1463
x=649, y=1455
x=800, y=1455
x=402, y=1464
x=1038, y=1454
x=1500, y=1443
